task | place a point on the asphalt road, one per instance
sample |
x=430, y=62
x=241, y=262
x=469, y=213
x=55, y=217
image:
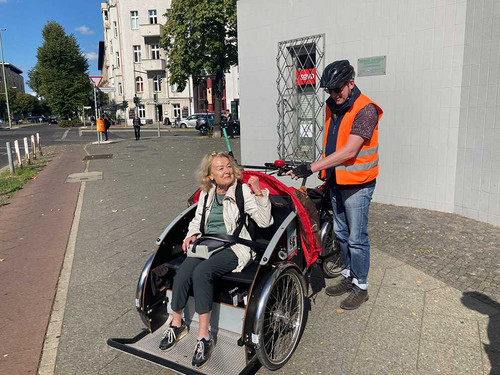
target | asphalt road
x=55, y=135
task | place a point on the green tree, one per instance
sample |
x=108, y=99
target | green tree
x=61, y=72
x=200, y=36
x=23, y=104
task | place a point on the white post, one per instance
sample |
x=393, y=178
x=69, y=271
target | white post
x=26, y=150
x=9, y=156
x=18, y=154
x=33, y=147
x=38, y=140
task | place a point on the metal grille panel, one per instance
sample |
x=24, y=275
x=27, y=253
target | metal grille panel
x=300, y=102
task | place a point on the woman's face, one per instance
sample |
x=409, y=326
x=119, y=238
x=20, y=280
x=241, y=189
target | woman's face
x=221, y=172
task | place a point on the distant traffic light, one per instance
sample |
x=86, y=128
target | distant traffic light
x=124, y=104
x=137, y=101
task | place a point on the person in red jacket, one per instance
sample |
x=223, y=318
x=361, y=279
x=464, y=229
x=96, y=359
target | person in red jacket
x=350, y=165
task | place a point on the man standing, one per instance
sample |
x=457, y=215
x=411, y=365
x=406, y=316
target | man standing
x=350, y=165
x=137, y=126
x=107, y=125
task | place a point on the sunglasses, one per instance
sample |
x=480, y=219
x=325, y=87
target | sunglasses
x=337, y=90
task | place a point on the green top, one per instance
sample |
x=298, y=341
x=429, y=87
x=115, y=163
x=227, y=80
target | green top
x=215, y=222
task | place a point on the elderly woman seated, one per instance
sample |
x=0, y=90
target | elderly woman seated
x=218, y=176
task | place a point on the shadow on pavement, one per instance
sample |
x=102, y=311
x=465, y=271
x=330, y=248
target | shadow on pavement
x=473, y=301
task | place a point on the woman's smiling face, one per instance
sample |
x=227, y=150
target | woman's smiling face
x=221, y=172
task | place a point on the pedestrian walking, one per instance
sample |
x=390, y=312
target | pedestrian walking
x=137, y=127
x=350, y=166
x=107, y=124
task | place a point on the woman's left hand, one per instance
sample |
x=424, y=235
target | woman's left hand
x=254, y=183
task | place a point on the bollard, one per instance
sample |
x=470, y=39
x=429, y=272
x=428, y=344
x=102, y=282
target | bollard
x=26, y=150
x=18, y=154
x=38, y=140
x=9, y=156
x=33, y=148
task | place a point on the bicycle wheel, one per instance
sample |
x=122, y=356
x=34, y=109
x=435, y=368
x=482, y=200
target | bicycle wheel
x=280, y=325
x=332, y=263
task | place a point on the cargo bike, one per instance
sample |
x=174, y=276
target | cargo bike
x=258, y=314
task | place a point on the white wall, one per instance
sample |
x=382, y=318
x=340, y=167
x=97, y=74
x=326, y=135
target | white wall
x=478, y=167
x=427, y=147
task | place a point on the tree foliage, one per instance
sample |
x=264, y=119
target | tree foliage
x=200, y=37
x=61, y=72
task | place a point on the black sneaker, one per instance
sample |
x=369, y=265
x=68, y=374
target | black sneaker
x=203, y=351
x=354, y=299
x=342, y=287
x=172, y=335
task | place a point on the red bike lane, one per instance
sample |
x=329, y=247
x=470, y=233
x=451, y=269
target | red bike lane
x=34, y=232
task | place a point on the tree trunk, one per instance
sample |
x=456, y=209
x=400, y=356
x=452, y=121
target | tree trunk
x=217, y=101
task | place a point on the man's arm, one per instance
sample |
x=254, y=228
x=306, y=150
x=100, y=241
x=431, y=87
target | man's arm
x=350, y=150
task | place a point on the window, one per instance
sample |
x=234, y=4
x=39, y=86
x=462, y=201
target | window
x=157, y=83
x=174, y=87
x=300, y=125
x=155, y=51
x=105, y=15
x=139, y=84
x=153, y=17
x=120, y=89
x=137, y=54
x=115, y=28
x=134, y=19
x=176, y=110
x=142, y=111
x=167, y=13
x=117, y=59
x=111, y=46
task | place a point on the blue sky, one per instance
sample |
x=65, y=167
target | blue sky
x=25, y=19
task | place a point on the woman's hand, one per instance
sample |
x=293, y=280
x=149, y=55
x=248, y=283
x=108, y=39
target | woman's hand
x=188, y=241
x=254, y=183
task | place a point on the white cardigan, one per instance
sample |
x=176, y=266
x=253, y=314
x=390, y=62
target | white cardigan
x=258, y=208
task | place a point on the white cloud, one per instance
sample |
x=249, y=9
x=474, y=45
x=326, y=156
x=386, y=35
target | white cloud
x=3, y=1
x=91, y=56
x=83, y=30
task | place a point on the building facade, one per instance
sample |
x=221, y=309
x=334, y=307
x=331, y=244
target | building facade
x=433, y=66
x=13, y=76
x=134, y=64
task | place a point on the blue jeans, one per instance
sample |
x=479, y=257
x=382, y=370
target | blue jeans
x=350, y=207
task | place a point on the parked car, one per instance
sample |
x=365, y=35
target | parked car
x=190, y=121
x=205, y=122
x=52, y=120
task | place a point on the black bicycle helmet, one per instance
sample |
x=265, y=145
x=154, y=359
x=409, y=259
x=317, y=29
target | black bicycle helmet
x=336, y=73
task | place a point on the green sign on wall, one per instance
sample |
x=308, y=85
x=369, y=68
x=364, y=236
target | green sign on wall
x=371, y=66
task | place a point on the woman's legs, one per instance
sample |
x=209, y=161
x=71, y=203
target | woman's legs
x=183, y=280
x=206, y=272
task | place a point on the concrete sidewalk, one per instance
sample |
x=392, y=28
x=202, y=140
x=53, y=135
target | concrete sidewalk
x=413, y=323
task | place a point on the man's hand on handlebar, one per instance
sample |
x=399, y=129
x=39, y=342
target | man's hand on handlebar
x=301, y=171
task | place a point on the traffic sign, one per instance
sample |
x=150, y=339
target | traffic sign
x=107, y=89
x=96, y=80
x=131, y=113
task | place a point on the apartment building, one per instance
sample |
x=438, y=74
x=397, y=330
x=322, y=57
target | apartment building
x=135, y=65
x=14, y=78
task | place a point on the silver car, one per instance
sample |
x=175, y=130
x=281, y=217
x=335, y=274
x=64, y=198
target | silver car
x=190, y=121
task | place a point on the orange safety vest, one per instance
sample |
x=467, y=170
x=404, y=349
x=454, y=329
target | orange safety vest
x=364, y=166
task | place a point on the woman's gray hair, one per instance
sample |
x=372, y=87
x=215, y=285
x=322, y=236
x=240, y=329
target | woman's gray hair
x=206, y=163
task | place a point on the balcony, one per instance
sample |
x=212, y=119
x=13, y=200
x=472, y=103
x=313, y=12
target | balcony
x=150, y=30
x=157, y=64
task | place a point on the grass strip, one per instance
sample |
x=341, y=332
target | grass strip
x=10, y=183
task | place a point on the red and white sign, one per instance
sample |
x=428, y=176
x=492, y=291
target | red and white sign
x=306, y=76
x=96, y=80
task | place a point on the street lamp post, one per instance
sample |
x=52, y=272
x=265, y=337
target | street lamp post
x=5, y=80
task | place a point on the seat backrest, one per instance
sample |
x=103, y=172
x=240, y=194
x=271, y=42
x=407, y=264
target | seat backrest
x=281, y=207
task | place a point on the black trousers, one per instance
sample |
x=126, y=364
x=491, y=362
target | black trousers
x=200, y=274
x=137, y=131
